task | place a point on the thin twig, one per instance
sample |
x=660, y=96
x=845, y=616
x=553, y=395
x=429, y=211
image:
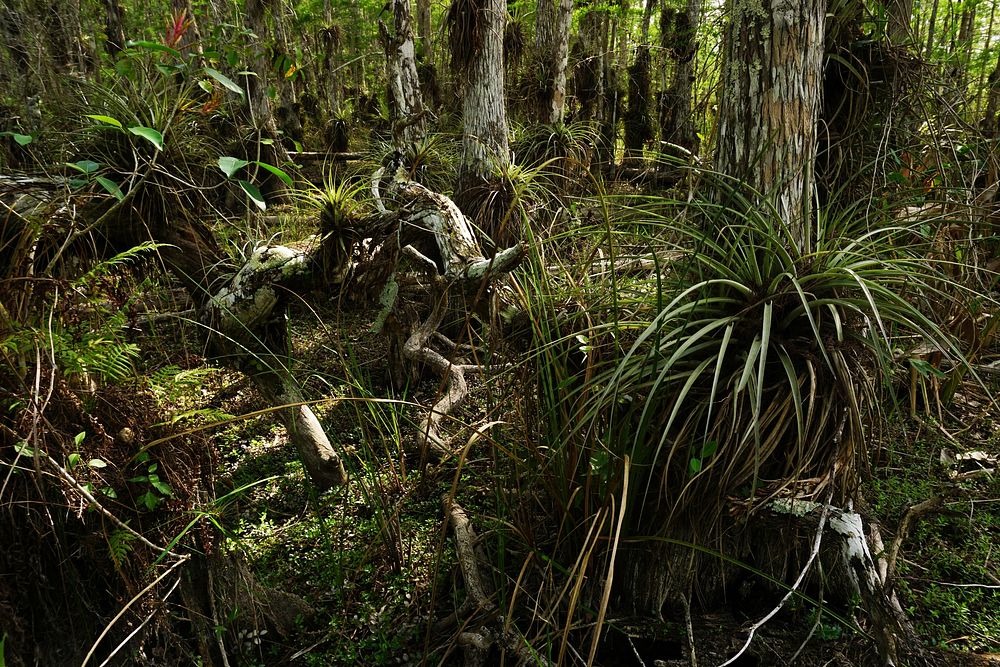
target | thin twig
x=914, y=511
x=107, y=628
x=79, y=488
x=146, y=620
x=817, y=541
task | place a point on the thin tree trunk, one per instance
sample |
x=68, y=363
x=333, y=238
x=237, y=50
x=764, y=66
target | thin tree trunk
x=259, y=102
x=647, y=18
x=900, y=12
x=982, y=69
x=552, y=56
x=114, y=37
x=406, y=104
x=331, y=37
x=772, y=84
x=593, y=85
x=930, y=30
x=963, y=48
x=426, y=32
x=677, y=125
x=990, y=125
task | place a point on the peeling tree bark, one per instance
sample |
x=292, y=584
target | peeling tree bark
x=409, y=125
x=772, y=84
x=485, y=146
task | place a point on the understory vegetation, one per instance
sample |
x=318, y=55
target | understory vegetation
x=269, y=395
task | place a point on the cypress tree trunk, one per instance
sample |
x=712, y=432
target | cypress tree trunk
x=114, y=32
x=594, y=86
x=259, y=102
x=426, y=32
x=771, y=90
x=409, y=126
x=484, y=138
x=677, y=33
x=552, y=56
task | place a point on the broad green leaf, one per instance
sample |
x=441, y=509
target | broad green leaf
x=24, y=449
x=168, y=70
x=111, y=187
x=285, y=178
x=205, y=85
x=73, y=460
x=266, y=142
x=21, y=139
x=230, y=165
x=254, y=194
x=162, y=487
x=149, y=134
x=709, y=448
x=109, y=492
x=155, y=46
x=694, y=466
x=79, y=437
x=97, y=463
x=107, y=120
x=224, y=80
x=84, y=166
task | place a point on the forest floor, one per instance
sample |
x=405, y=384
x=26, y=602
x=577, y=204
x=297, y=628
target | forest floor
x=376, y=564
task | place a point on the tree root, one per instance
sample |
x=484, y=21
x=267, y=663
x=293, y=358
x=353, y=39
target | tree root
x=476, y=643
x=240, y=315
x=439, y=244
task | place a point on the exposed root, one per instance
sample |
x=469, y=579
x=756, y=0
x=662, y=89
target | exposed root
x=476, y=642
x=438, y=243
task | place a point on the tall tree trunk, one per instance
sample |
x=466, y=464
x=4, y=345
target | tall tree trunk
x=772, y=85
x=331, y=37
x=485, y=145
x=426, y=31
x=679, y=43
x=930, y=30
x=405, y=102
x=259, y=102
x=593, y=84
x=990, y=125
x=114, y=30
x=963, y=49
x=987, y=38
x=647, y=18
x=900, y=12
x=638, y=125
x=552, y=56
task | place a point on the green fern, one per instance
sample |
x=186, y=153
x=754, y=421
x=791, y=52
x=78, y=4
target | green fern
x=120, y=546
x=106, y=266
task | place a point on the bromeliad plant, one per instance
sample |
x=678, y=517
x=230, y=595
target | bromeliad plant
x=756, y=364
x=729, y=368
